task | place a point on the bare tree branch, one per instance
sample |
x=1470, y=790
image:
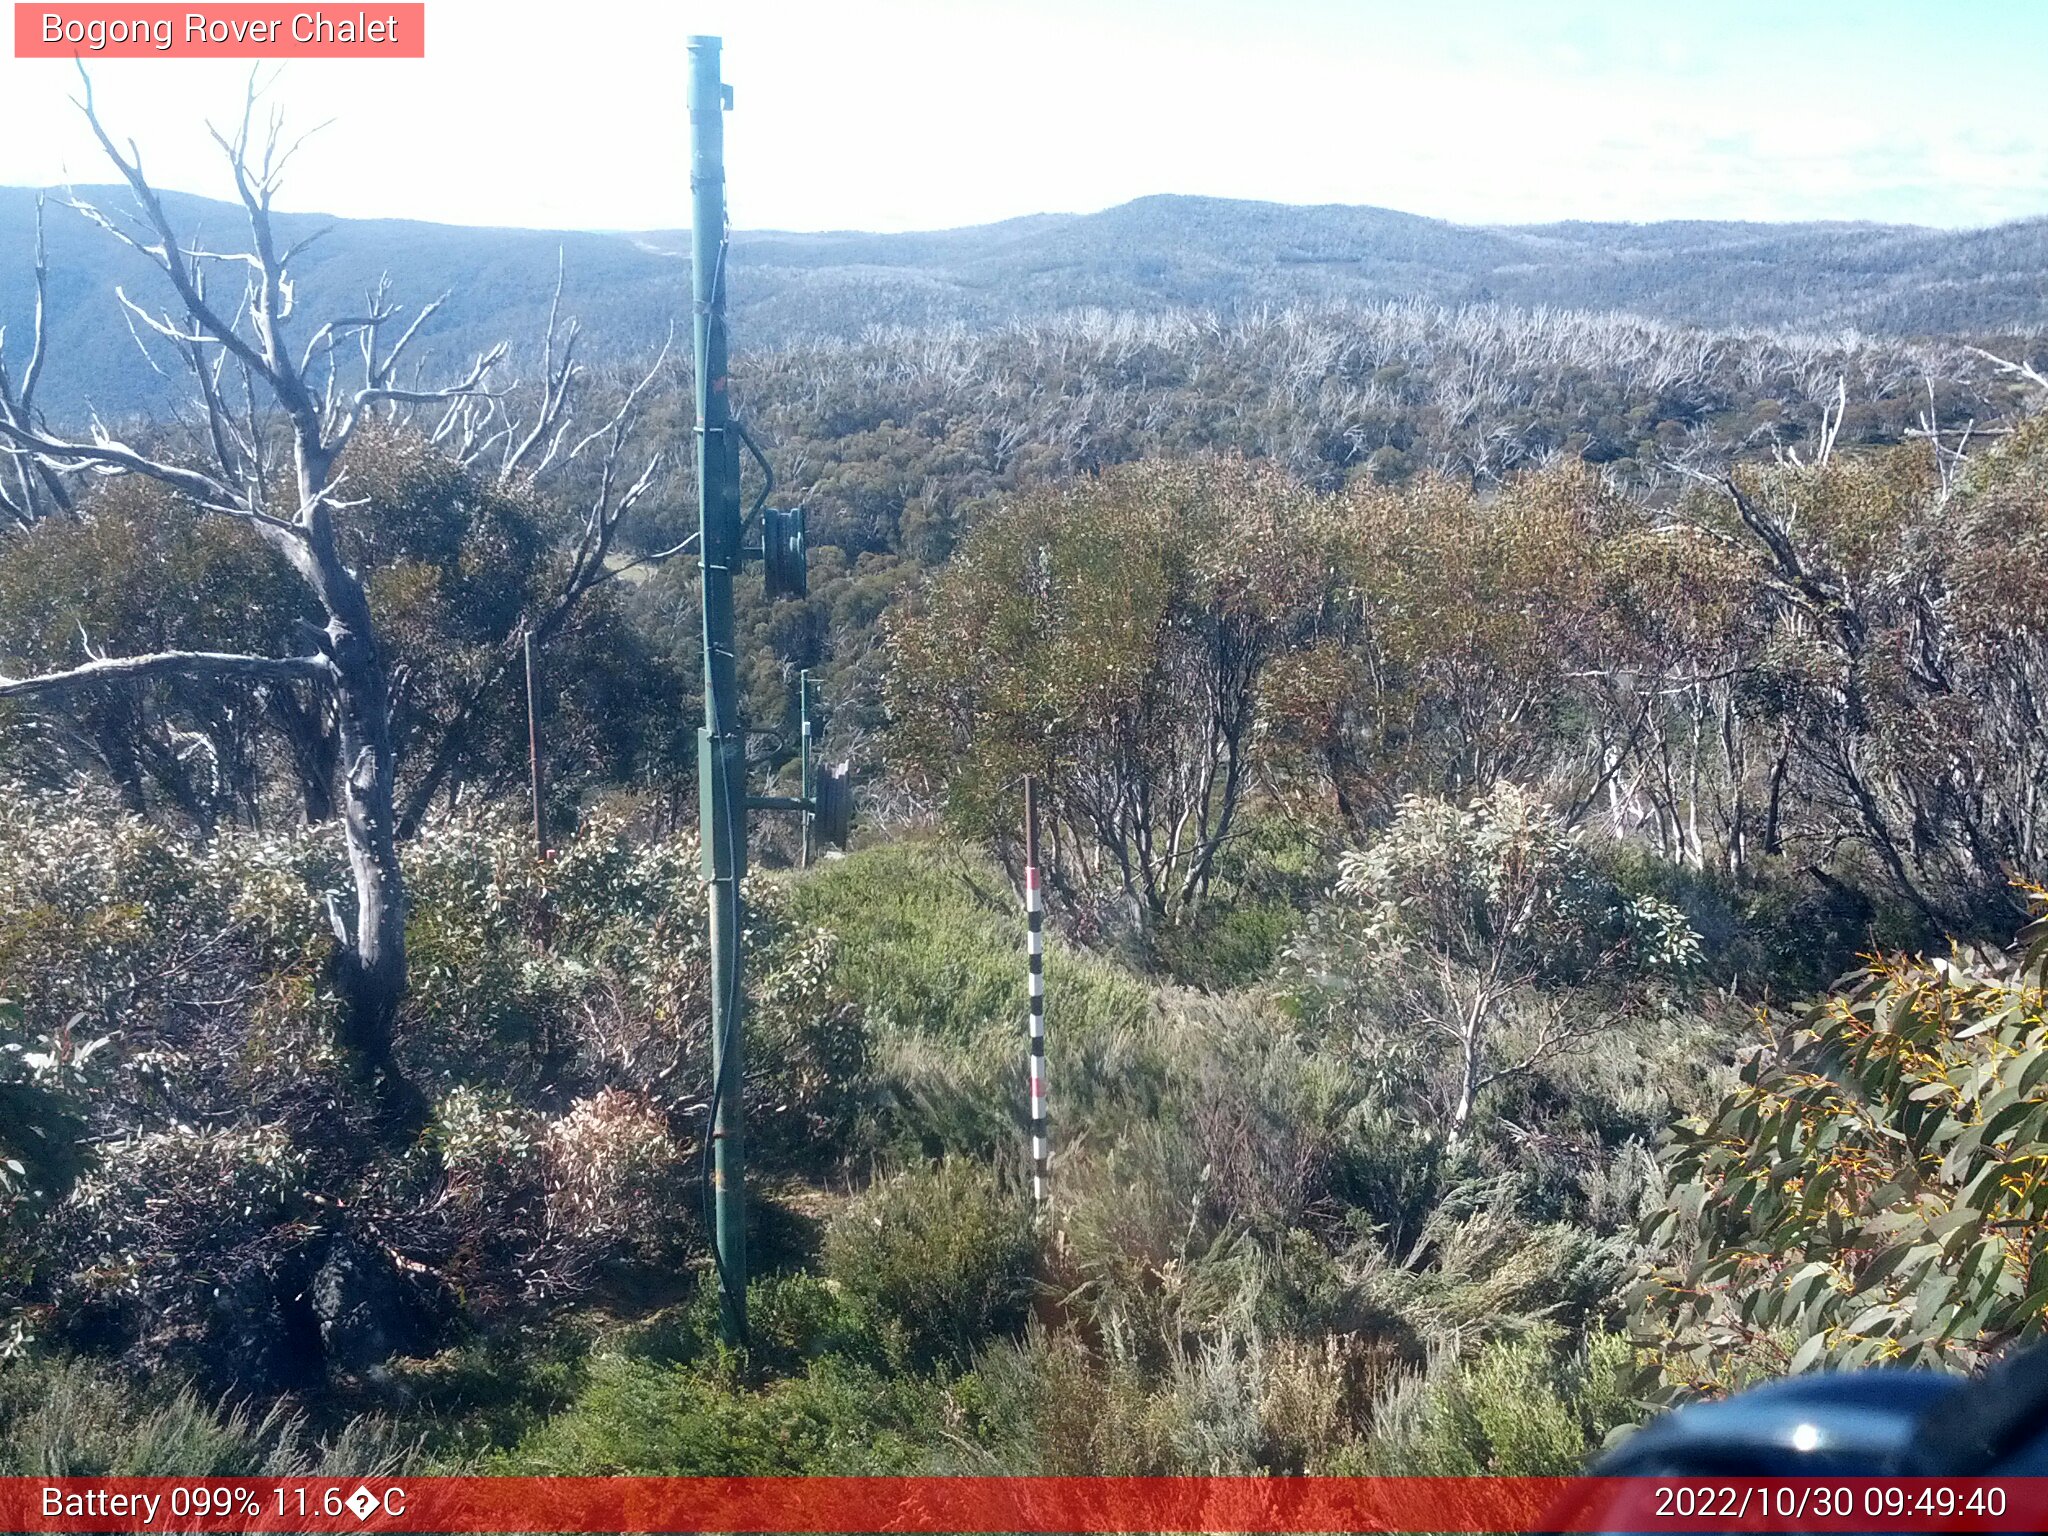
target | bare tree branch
x=550, y=421
x=167, y=253
x=106, y=453
x=33, y=481
x=2018, y=370
x=199, y=665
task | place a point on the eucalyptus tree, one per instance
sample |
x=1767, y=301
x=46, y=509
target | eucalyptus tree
x=1114, y=638
x=1460, y=922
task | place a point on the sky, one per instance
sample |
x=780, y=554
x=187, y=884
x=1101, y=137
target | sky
x=909, y=114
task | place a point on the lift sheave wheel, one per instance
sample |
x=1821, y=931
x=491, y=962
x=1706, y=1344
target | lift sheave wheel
x=785, y=563
x=832, y=805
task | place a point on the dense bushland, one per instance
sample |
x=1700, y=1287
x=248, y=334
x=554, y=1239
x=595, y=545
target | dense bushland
x=1272, y=1244
x=1829, y=670
x=235, y=1221
x=1263, y=1252
x=1464, y=755
x=901, y=439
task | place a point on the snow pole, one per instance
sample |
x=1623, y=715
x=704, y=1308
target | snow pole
x=1034, y=919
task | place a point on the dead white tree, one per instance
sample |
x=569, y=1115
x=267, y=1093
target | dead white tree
x=29, y=491
x=482, y=432
x=274, y=420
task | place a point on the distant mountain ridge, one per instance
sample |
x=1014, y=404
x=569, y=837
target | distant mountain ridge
x=1152, y=254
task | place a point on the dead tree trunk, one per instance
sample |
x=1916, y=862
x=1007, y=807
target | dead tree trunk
x=373, y=955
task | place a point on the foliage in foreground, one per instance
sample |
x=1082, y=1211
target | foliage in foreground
x=234, y=1220
x=68, y=1419
x=1876, y=1189
x=1259, y=1240
x=1266, y=1250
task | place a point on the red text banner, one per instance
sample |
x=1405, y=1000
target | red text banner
x=1006, y=1504
x=233, y=31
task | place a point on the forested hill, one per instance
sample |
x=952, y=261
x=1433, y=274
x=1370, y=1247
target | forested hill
x=1216, y=253
x=1152, y=254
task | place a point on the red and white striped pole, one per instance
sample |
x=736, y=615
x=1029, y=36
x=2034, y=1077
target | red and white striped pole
x=1034, y=917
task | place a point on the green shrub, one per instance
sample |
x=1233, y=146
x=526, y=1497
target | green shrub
x=1469, y=945
x=643, y=1418
x=1236, y=1402
x=1138, y=1255
x=1519, y=1409
x=594, y=968
x=1267, y=875
x=1230, y=943
x=1047, y=1405
x=491, y=1390
x=66, y=1419
x=944, y=1253
x=1777, y=932
x=929, y=947
x=1480, y=1269
x=42, y=1138
x=931, y=940
x=795, y=1319
x=792, y=1320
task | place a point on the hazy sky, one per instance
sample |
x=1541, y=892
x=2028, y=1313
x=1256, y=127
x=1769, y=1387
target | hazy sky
x=900, y=114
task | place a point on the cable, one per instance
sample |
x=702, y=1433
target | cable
x=728, y=1038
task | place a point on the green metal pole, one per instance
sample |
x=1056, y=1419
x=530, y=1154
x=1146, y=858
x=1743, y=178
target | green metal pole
x=721, y=746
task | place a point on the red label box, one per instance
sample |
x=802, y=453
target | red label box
x=377, y=30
